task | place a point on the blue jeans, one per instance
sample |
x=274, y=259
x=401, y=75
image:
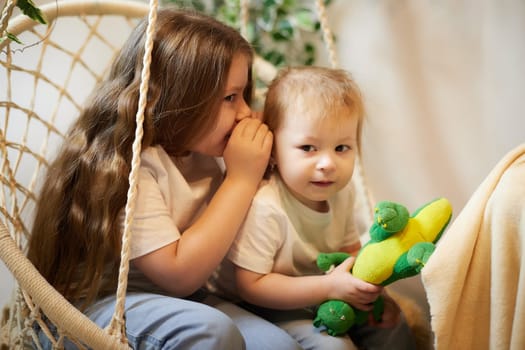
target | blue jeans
x=160, y=322
x=299, y=324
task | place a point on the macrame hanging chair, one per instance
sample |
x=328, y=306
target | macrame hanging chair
x=34, y=123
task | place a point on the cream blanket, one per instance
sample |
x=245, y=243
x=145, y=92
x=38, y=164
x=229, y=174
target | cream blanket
x=475, y=280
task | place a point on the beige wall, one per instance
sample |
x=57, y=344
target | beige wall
x=444, y=83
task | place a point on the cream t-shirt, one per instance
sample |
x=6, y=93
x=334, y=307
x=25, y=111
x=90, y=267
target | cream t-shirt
x=280, y=234
x=171, y=194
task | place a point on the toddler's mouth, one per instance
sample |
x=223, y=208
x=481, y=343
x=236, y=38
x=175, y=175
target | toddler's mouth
x=322, y=183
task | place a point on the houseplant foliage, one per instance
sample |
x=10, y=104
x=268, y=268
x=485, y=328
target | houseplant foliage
x=283, y=32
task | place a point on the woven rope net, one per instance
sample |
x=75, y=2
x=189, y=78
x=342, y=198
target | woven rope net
x=47, y=79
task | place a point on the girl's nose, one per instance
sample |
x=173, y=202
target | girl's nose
x=244, y=110
x=325, y=163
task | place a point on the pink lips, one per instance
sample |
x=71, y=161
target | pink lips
x=322, y=183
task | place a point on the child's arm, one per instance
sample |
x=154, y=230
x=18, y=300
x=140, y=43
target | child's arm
x=279, y=291
x=352, y=249
x=183, y=266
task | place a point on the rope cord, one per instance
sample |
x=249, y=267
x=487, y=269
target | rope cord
x=244, y=18
x=7, y=11
x=359, y=176
x=328, y=37
x=117, y=326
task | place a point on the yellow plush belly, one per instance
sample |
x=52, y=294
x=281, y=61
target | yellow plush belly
x=376, y=261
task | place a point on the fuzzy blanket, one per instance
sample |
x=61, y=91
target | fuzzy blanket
x=475, y=280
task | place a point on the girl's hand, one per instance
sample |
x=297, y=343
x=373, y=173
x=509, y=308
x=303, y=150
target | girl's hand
x=248, y=150
x=258, y=115
x=353, y=290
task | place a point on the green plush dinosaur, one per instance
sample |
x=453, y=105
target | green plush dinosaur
x=400, y=245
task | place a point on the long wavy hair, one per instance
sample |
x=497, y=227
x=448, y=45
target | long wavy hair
x=76, y=235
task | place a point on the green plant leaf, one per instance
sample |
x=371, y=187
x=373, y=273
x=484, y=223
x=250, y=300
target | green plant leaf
x=30, y=10
x=11, y=37
x=251, y=33
x=269, y=3
x=275, y=27
x=309, y=48
x=284, y=30
x=289, y=4
x=305, y=20
x=275, y=57
x=266, y=18
x=198, y=5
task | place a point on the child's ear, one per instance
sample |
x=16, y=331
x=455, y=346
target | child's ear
x=271, y=162
x=270, y=168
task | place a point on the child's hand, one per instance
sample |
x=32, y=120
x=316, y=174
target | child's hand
x=258, y=115
x=248, y=150
x=353, y=290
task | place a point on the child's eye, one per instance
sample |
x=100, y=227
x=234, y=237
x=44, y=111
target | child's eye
x=230, y=98
x=342, y=148
x=307, y=148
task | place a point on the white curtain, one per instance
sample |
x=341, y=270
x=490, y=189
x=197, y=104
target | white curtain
x=444, y=83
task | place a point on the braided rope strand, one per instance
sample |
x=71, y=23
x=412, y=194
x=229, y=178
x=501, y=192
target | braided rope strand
x=359, y=175
x=328, y=37
x=117, y=326
x=7, y=12
x=245, y=8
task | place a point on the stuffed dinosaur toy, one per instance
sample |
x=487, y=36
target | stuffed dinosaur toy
x=400, y=244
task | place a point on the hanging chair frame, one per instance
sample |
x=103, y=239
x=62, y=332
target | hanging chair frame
x=33, y=290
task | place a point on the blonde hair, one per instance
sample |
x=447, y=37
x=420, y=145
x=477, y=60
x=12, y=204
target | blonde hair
x=322, y=89
x=76, y=235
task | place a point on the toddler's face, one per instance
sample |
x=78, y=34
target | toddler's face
x=315, y=155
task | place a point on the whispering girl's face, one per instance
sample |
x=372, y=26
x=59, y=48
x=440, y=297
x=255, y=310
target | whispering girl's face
x=233, y=108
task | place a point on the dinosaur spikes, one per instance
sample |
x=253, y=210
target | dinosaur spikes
x=380, y=221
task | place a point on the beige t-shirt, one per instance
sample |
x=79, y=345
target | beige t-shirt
x=171, y=194
x=282, y=235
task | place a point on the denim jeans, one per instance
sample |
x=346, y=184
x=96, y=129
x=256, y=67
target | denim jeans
x=161, y=322
x=299, y=324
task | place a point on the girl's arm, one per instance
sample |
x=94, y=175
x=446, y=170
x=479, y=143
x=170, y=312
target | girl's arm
x=352, y=249
x=283, y=292
x=183, y=266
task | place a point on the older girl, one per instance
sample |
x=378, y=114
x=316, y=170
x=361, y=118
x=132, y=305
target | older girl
x=187, y=209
